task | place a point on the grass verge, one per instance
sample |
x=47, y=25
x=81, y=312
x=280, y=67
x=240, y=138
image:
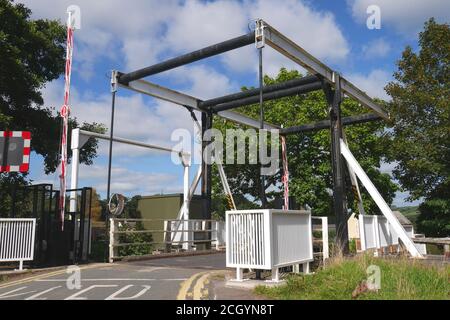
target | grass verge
x=400, y=279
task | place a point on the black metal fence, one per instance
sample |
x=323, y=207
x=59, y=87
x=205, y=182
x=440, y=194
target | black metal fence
x=57, y=242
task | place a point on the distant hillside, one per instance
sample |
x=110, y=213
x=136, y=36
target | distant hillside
x=410, y=212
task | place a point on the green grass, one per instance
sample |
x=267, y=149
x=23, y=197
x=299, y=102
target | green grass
x=401, y=279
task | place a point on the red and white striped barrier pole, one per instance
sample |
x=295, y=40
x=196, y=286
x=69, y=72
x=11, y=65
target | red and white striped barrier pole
x=285, y=178
x=65, y=111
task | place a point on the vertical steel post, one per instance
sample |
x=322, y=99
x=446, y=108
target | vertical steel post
x=108, y=190
x=339, y=204
x=261, y=125
x=207, y=122
x=111, y=135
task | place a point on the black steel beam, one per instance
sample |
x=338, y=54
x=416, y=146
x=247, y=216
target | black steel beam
x=334, y=98
x=325, y=124
x=253, y=92
x=206, y=52
x=206, y=186
x=268, y=96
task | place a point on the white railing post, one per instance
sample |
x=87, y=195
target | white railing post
x=362, y=233
x=216, y=227
x=111, y=239
x=325, y=241
x=377, y=236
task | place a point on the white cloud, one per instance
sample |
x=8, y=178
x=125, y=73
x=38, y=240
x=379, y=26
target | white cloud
x=373, y=83
x=315, y=31
x=405, y=16
x=146, y=31
x=377, y=48
x=112, y=26
x=198, y=24
x=146, y=120
x=127, y=181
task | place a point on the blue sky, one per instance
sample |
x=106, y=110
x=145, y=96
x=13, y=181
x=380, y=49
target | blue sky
x=128, y=35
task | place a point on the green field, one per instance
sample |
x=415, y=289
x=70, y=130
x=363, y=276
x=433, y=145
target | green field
x=401, y=279
x=410, y=212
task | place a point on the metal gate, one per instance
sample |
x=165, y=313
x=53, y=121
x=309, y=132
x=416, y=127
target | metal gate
x=54, y=246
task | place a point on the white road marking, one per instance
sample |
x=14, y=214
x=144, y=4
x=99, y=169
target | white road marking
x=140, y=293
x=7, y=295
x=151, y=269
x=102, y=280
x=33, y=297
x=76, y=296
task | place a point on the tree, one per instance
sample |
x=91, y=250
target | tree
x=309, y=153
x=419, y=140
x=32, y=53
x=433, y=219
x=96, y=207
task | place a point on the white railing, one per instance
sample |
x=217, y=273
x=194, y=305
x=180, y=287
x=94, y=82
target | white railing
x=184, y=231
x=377, y=233
x=175, y=234
x=268, y=239
x=325, y=242
x=17, y=240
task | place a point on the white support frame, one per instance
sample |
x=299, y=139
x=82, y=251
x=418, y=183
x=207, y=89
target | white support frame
x=376, y=196
x=325, y=240
x=79, y=139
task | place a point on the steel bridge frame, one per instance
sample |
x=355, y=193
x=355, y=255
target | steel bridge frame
x=321, y=77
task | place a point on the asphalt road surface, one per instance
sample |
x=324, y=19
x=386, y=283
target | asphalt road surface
x=169, y=278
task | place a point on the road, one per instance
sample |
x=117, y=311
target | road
x=161, y=279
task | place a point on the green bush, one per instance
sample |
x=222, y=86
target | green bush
x=434, y=218
x=135, y=249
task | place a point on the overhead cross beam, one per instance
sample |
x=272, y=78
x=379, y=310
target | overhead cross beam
x=325, y=124
x=163, y=93
x=253, y=92
x=269, y=96
x=206, y=52
x=291, y=50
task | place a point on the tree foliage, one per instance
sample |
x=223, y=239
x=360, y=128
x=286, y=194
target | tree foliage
x=420, y=140
x=420, y=136
x=434, y=218
x=309, y=153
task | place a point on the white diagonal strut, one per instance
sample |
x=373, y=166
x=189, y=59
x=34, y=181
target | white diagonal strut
x=376, y=196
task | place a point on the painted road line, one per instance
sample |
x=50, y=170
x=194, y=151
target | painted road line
x=9, y=294
x=111, y=279
x=42, y=276
x=34, y=297
x=76, y=296
x=200, y=288
x=139, y=294
x=183, y=293
x=199, y=285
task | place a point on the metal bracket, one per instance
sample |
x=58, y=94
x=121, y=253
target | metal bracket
x=260, y=39
x=74, y=17
x=114, y=80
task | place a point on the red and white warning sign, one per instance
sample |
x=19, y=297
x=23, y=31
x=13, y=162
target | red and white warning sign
x=15, y=151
